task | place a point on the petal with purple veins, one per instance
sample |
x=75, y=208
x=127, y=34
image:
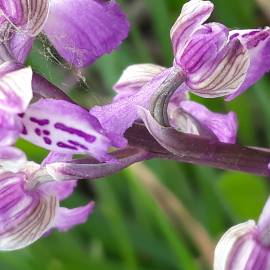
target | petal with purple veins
x=257, y=42
x=203, y=47
x=25, y=214
x=26, y=15
x=236, y=247
x=224, y=74
x=193, y=14
x=84, y=30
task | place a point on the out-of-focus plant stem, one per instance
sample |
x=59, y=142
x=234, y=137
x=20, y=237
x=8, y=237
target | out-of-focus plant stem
x=176, y=211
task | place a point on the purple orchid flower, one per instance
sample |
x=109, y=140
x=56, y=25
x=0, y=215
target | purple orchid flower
x=81, y=30
x=30, y=197
x=245, y=246
x=184, y=115
x=30, y=206
x=210, y=61
x=56, y=125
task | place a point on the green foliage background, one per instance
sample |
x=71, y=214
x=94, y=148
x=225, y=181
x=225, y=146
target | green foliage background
x=129, y=230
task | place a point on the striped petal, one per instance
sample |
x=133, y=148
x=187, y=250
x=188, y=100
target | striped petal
x=29, y=207
x=84, y=30
x=15, y=88
x=246, y=245
x=235, y=248
x=193, y=14
x=203, y=47
x=64, y=127
x=25, y=215
x=27, y=16
x=257, y=42
x=223, y=75
x=134, y=78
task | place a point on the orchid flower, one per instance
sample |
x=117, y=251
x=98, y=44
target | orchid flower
x=30, y=197
x=246, y=245
x=56, y=125
x=81, y=30
x=183, y=115
x=209, y=60
x=30, y=206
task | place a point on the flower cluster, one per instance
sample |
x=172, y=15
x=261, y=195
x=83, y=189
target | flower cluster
x=151, y=115
x=36, y=111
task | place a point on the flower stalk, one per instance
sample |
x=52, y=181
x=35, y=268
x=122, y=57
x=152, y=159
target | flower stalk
x=198, y=150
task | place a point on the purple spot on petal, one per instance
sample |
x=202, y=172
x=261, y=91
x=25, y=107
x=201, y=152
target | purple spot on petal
x=40, y=122
x=254, y=41
x=67, y=146
x=24, y=131
x=87, y=137
x=47, y=140
x=251, y=33
x=46, y=132
x=38, y=131
x=21, y=115
x=78, y=144
x=234, y=36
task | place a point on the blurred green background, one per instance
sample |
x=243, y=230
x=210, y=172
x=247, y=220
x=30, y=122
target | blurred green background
x=157, y=215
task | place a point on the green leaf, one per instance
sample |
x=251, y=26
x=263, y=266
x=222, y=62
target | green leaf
x=244, y=194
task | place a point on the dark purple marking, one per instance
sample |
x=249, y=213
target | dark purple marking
x=234, y=36
x=64, y=145
x=24, y=131
x=46, y=132
x=78, y=144
x=87, y=137
x=251, y=33
x=38, y=131
x=40, y=122
x=21, y=115
x=256, y=40
x=47, y=140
